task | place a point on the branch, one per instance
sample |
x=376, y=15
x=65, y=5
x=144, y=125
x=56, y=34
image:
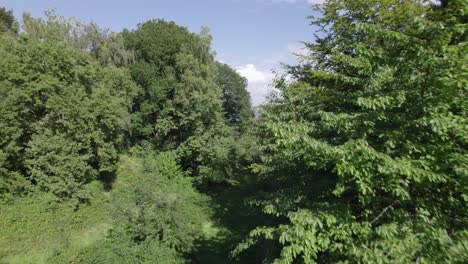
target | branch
x=383, y=212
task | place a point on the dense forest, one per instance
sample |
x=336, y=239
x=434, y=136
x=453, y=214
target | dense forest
x=139, y=147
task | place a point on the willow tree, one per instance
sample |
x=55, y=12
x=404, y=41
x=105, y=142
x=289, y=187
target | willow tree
x=365, y=151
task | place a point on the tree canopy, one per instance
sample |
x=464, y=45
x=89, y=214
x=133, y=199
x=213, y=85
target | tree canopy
x=365, y=151
x=236, y=99
x=139, y=147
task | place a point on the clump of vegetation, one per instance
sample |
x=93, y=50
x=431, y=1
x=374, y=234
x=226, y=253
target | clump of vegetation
x=35, y=228
x=365, y=150
x=138, y=147
x=156, y=213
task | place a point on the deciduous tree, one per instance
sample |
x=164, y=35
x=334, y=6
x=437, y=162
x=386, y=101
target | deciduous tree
x=365, y=152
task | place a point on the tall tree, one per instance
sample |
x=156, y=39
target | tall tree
x=236, y=99
x=180, y=108
x=365, y=152
x=175, y=69
x=157, y=214
x=7, y=21
x=107, y=47
x=62, y=116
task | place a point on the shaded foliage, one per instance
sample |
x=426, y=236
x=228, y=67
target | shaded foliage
x=236, y=99
x=359, y=157
x=60, y=102
x=157, y=214
x=365, y=151
x=175, y=69
x=7, y=21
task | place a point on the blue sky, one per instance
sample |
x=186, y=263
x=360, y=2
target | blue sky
x=252, y=36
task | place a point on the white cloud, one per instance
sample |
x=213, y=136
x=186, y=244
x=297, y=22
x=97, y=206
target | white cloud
x=250, y=72
x=313, y=2
x=259, y=82
x=260, y=75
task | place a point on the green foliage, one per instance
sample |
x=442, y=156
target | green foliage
x=35, y=228
x=365, y=151
x=73, y=98
x=7, y=21
x=107, y=47
x=57, y=166
x=58, y=101
x=152, y=215
x=174, y=67
x=160, y=203
x=157, y=214
x=121, y=249
x=181, y=108
x=236, y=98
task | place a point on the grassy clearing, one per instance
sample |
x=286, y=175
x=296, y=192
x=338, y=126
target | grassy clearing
x=35, y=228
x=57, y=233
